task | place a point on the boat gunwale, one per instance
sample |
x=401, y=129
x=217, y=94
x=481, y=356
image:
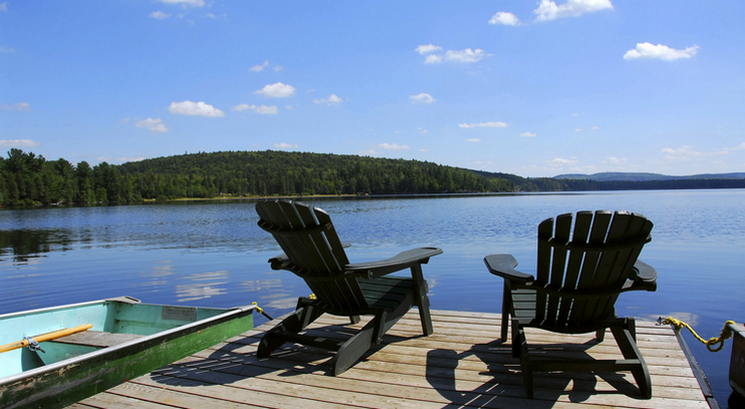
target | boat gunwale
x=113, y=349
x=62, y=307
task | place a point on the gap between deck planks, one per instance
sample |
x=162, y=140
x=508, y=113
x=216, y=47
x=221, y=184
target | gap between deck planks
x=463, y=364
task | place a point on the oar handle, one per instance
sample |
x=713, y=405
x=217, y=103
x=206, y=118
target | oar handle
x=45, y=337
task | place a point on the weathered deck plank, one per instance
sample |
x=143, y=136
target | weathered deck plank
x=462, y=365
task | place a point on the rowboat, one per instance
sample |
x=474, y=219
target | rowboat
x=54, y=357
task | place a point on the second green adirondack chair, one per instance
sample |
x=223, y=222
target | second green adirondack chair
x=579, y=276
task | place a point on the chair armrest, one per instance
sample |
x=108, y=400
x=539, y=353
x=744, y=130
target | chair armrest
x=504, y=265
x=279, y=262
x=645, y=278
x=398, y=262
x=644, y=272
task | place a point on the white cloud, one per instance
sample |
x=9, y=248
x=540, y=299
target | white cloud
x=504, y=18
x=192, y=3
x=153, y=125
x=393, y=146
x=484, y=125
x=18, y=143
x=683, y=153
x=686, y=152
x=4, y=6
x=278, y=90
x=473, y=140
x=124, y=120
x=549, y=10
x=331, y=100
x=266, y=110
x=659, y=51
x=426, y=49
x=424, y=150
x=18, y=106
x=260, y=67
x=422, y=98
x=612, y=160
x=423, y=131
x=562, y=162
x=7, y=50
x=259, y=109
x=433, y=59
x=736, y=148
x=159, y=15
x=210, y=15
x=527, y=135
x=283, y=145
x=194, y=108
x=467, y=55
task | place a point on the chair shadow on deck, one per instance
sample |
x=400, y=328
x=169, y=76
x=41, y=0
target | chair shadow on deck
x=238, y=360
x=502, y=378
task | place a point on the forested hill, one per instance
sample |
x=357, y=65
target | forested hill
x=27, y=179
x=301, y=173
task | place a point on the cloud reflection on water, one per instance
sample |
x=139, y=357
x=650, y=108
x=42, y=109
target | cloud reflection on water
x=199, y=291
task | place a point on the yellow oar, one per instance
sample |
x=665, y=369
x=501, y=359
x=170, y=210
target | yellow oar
x=45, y=337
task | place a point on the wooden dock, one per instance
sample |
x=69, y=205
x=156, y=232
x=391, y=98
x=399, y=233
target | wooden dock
x=462, y=365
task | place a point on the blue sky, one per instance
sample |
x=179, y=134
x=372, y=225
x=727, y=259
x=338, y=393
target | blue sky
x=534, y=88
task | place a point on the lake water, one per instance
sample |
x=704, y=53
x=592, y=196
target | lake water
x=214, y=254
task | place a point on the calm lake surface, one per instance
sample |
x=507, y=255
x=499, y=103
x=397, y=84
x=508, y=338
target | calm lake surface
x=214, y=254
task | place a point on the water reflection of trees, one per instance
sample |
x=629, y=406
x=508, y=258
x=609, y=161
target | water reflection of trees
x=23, y=245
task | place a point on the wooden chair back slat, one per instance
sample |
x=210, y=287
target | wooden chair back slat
x=562, y=226
x=543, y=268
x=581, y=233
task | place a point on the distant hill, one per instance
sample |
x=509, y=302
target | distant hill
x=643, y=177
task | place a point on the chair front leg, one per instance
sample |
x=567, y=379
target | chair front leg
x=421, y=300
x=520, y=350
x=506, y=308
x=307, y=311
x=625, y=335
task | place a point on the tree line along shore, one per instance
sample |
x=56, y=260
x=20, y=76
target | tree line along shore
x=27, y=179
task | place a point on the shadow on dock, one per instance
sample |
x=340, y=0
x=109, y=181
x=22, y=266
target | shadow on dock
x=505, y=372
x=463, y=364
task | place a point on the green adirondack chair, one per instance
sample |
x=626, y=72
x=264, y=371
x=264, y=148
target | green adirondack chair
x=313, y=251
x=578, y=279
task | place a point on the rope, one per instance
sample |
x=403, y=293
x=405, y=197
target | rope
x=261, y=311
x=711, y=342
